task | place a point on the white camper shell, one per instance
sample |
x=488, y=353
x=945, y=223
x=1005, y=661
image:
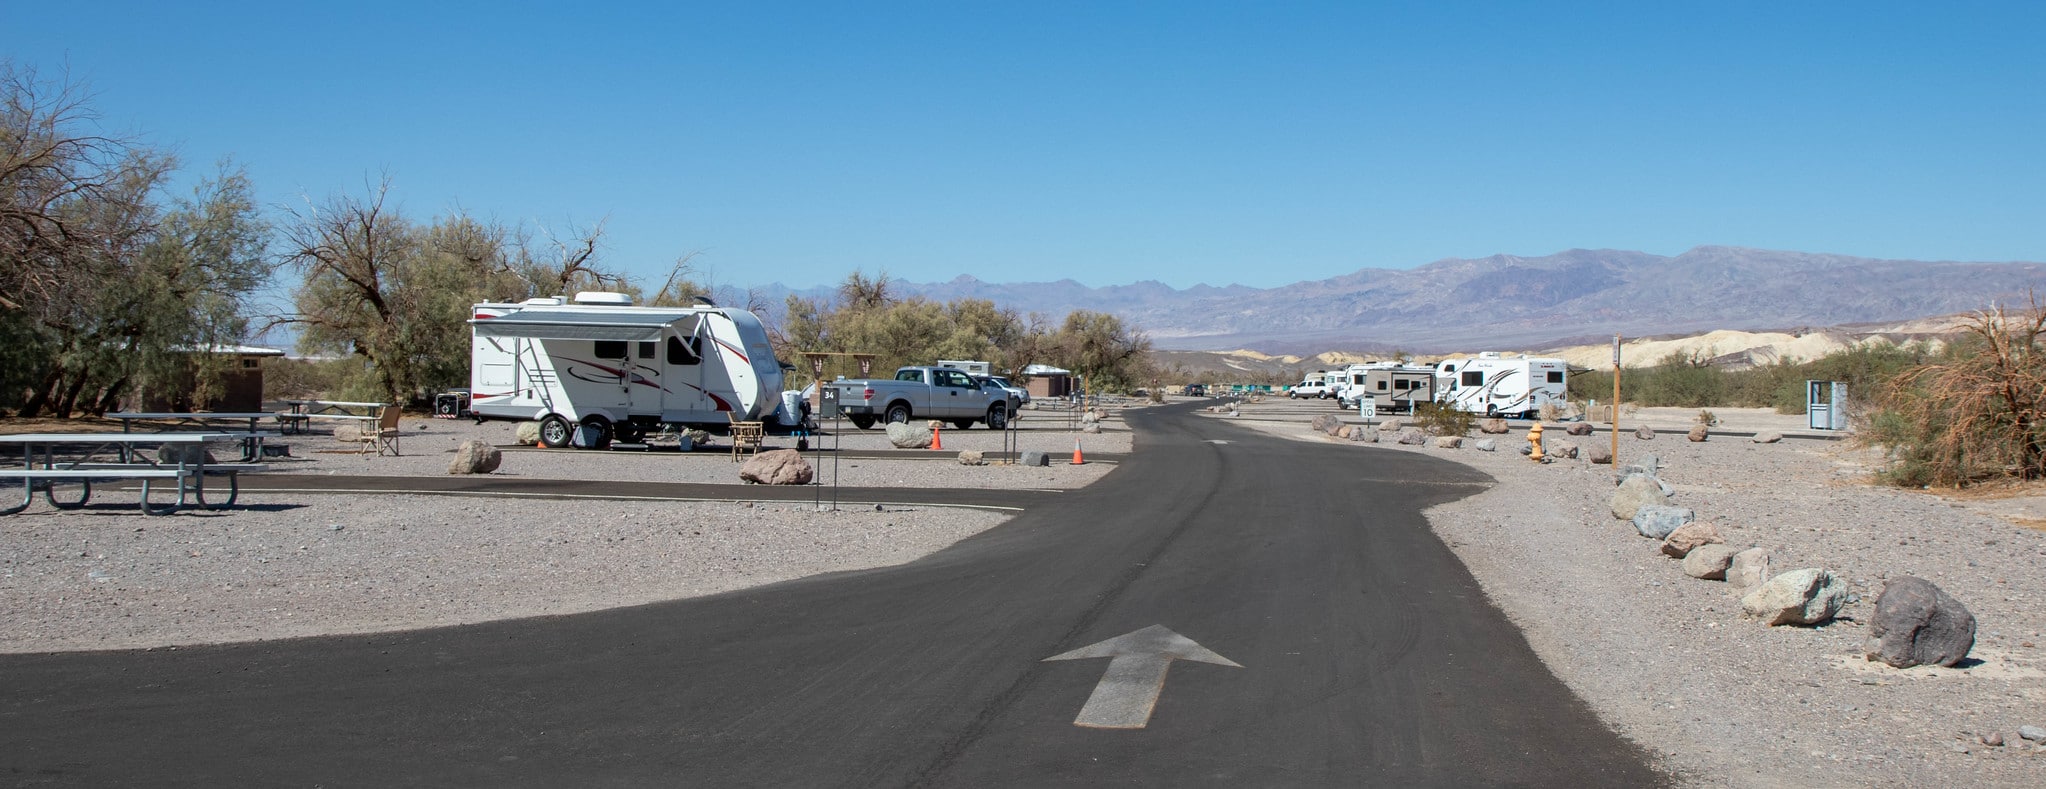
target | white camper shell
x=1397, y=388
x=626, y=371
x=1491, y=385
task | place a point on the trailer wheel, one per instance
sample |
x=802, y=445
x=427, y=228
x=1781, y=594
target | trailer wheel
x=998, y=417
x=862, y=422
x=553, y=432
x=898, y=412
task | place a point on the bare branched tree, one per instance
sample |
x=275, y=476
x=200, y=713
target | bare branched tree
x=1977, y=413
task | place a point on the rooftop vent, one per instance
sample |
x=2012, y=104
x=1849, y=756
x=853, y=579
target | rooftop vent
x=604, y=298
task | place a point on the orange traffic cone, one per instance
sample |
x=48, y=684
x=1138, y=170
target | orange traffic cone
x=1077, y=460
x=937, y=440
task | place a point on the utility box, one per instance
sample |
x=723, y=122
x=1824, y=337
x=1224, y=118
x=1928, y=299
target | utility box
x=1825, y=404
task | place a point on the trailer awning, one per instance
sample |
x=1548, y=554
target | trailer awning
x=582, y=326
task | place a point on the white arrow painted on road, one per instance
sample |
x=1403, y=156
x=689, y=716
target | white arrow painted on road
x=1218, y=441
x=1136, y=674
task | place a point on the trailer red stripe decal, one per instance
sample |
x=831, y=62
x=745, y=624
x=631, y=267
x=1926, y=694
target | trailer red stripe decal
x=735, y=352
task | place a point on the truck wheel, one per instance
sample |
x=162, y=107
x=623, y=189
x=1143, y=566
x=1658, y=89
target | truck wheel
x=553, y=432
x=898, y=412
x=862, y=422
x=962, y=424
x=997, y=418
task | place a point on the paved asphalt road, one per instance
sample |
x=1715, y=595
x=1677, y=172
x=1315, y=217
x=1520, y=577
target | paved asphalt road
x=1364, y=656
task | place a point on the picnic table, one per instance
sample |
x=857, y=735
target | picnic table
x=301, y=412
x=252, y=441
x=83, y=463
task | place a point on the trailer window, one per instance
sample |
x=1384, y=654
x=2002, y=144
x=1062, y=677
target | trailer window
x=680, y=353
x=649, y=349
x=1556, y=377
x=610, y=349
x=1474, y=378
x=1381, y=386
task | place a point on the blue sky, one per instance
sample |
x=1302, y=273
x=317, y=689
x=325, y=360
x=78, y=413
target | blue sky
x=1186, y=142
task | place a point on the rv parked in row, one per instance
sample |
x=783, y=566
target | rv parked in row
x=595, y=368
x=1494, y=386
x=1395, y=387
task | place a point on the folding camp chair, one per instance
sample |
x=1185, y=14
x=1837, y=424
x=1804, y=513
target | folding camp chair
x=383, y=435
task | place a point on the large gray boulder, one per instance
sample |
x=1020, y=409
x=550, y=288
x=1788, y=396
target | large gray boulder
x=1413, y=436
x=1448, y=442
x=1656, y=521
x=1698, y=433
x=1035, y=458
x=1709, y=561
x=1690, y=537
x=475, y=456
x=527, y=434
x=1485, y=445
x=1918, y=624
x=1767, y=437
x=1095, y=427
x=1645, y=433
x=1634, y=492
x=908, y=435
x=1800, y=597
x=1326, y=423
x=1392, y=425
x=1364, y=436
x=1578, y=429
x=1598, y=453
x=1494, y=426
x=1559, y=448
x=972, y=457
x=777, y=467
x=1750, y=568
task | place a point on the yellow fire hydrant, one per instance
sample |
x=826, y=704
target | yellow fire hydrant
x=1534, y=439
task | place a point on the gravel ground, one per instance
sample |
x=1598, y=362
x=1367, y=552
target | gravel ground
x=286, y=565
x=1668, y=660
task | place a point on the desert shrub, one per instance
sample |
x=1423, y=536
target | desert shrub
x=1974, y=412
x=1443, y=420
x=1706, y=418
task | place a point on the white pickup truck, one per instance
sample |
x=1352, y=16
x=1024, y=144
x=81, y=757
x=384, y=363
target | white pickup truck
x=922, y=393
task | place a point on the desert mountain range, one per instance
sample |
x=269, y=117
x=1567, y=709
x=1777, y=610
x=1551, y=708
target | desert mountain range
x=1509, y=302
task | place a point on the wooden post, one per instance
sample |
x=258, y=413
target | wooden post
x=1616, y=401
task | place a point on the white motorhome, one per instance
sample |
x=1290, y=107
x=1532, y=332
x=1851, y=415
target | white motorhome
x=1396, y=387
x=1492, y=385
x=598, y=361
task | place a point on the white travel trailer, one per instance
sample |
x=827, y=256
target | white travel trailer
x=598, y=361
x=1394, y=386
x=1490, y=385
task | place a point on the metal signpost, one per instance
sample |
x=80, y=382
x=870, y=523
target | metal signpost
x=1616, y=401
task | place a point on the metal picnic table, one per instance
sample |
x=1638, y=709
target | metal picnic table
x=252, y=441
x=302, y=412
x=80, y=467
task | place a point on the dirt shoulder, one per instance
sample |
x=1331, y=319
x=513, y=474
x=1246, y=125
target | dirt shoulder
x=1669, y=661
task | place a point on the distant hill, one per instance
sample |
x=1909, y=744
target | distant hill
x=1505, y=301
